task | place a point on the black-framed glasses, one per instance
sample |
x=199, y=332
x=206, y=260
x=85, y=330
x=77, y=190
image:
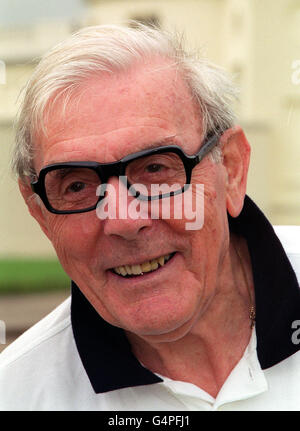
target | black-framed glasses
x=77, y=187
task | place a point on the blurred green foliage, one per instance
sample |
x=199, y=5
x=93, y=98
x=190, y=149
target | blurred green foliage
x=31, y=275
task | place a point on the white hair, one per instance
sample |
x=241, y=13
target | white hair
x=110, y=48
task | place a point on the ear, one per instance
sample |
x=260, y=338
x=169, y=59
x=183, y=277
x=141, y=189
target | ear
x=236, y=157
x=34, y=206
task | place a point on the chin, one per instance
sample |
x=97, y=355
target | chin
x=161, y=329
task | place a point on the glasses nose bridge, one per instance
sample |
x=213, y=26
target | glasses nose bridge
x=108, y=170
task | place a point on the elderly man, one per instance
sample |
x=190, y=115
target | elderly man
x=161, y=314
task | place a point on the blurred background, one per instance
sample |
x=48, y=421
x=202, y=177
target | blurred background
x=256, y=41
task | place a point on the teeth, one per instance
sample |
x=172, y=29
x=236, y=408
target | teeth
x=122, y=270
x=161, y=260
x=144, y=267
x=154, y=264
x=128, y=269
x=136, y=269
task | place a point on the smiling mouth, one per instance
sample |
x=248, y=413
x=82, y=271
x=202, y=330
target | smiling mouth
x=145, y=267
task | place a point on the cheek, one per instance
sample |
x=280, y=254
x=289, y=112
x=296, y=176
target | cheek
x=197, y=208
x=207, y=241
x=212, y=177
x=74, y=235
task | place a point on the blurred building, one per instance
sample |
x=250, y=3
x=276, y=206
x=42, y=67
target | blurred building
x=257, y=41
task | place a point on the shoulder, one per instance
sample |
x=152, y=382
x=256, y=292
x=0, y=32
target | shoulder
x=48, y=327
x=37, y=360
x=289, y=237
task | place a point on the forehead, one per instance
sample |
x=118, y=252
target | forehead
x=114, y=115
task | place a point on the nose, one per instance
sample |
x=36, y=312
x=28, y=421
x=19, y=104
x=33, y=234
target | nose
x=127, y=216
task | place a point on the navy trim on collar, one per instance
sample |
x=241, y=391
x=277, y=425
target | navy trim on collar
x=104, y=349
x=277, y=293
x=106, y=353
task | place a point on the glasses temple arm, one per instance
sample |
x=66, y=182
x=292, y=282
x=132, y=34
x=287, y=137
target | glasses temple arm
x=209, y=144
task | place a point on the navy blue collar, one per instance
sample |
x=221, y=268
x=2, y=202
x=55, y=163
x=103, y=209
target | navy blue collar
x=106, y=353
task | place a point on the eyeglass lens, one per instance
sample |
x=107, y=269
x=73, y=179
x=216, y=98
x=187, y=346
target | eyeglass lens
x=75, y=188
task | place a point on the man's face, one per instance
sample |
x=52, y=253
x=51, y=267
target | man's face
x=114, y=116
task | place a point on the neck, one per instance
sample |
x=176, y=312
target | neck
x=205, y=353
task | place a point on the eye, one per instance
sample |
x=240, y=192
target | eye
x=154, y=167
x=76, y=187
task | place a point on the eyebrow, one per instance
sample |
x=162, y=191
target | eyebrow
x=166, y=140
x=155, y=144
x=61, y=172
x=162, y=142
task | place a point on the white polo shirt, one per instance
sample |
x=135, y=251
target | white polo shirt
x=74, y=360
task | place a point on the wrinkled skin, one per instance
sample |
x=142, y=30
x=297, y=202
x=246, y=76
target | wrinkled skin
x=117, y=115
